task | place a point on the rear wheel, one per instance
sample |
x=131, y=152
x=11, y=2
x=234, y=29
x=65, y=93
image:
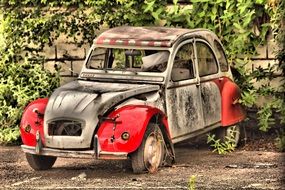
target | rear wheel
x=39, y=162
x=149, y=156
x=231, y=133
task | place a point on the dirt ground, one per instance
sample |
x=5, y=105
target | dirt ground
x=241, y=169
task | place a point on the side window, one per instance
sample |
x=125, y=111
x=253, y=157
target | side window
x=221, y=57
x=207, y=63
x=183, y=63
x=97, y=58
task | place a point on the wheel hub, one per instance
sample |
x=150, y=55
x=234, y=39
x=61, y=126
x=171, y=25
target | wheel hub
x=153, y=152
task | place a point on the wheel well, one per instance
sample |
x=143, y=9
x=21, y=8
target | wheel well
x=157, y=119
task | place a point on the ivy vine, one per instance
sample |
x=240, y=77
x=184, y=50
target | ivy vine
x=27, y=27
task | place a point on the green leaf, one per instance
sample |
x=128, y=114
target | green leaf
x=149, y=6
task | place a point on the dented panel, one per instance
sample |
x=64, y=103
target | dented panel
x=85, y=101
x=211, y=102
x=78, y=111
x=184, y=110
x=154, y=99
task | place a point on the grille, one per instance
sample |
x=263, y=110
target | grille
x=65, y=128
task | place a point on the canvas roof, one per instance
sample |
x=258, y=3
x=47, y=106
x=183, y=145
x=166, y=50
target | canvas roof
x=142, y=36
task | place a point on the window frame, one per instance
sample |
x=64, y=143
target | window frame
x=207, y=44
x=185, y=42
x=88, y=61
x=223, y=53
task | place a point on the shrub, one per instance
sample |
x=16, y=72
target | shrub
x=20, y=84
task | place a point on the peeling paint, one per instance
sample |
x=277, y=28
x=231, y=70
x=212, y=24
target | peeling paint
x=211, y=102
x=84, y=101
x=190, y=105
x=184, y=110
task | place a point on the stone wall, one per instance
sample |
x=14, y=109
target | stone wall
x=265, y=57
x=70, y=58
x=67, y=56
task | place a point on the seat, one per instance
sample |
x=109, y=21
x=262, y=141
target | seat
x=155, y=61
x=179, y=74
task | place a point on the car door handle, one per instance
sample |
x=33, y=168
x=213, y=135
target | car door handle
x=198, y=84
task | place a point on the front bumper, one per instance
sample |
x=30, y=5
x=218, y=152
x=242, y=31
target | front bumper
x=76, y=153
x=97, y=153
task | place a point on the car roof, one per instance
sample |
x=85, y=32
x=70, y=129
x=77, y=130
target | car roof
x=147, y=36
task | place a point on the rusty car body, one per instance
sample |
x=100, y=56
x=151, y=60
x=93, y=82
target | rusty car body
x=140, y=90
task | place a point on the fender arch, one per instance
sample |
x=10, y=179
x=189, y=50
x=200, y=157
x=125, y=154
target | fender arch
x=133, y=119
x=232, y=111
x=32, y=121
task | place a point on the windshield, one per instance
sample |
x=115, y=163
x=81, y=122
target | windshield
x=128, y=59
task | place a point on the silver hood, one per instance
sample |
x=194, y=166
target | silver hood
x=83, y=101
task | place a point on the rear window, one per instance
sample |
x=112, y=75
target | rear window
x=221, y=57
x=207, y=63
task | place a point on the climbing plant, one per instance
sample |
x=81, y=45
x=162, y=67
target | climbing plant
x=28, y=27
x=241, y=25
x=280, y=39
x=280, y=33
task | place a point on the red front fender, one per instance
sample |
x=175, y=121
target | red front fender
x=132, y=119
x=31, y=122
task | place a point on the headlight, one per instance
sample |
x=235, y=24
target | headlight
x=125, y=136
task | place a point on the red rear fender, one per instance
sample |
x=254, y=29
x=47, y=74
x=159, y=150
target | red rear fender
x=130, y=119
x=232, y=111
x=32, y=121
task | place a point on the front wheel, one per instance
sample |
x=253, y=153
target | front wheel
x=39, y=162
x=149, y=156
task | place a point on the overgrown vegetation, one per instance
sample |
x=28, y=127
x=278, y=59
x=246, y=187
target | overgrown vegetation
x=27, y=27
x=19, y=84
x=222, y=147
x=280, y=38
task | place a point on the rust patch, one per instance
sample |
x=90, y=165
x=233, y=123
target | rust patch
x=211, y=103
x=184, y=110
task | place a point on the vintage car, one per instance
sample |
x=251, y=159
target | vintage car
x=140, y=90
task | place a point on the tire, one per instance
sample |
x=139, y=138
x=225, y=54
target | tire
x=231, y=132
x=39, y=162
x=149, y=156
